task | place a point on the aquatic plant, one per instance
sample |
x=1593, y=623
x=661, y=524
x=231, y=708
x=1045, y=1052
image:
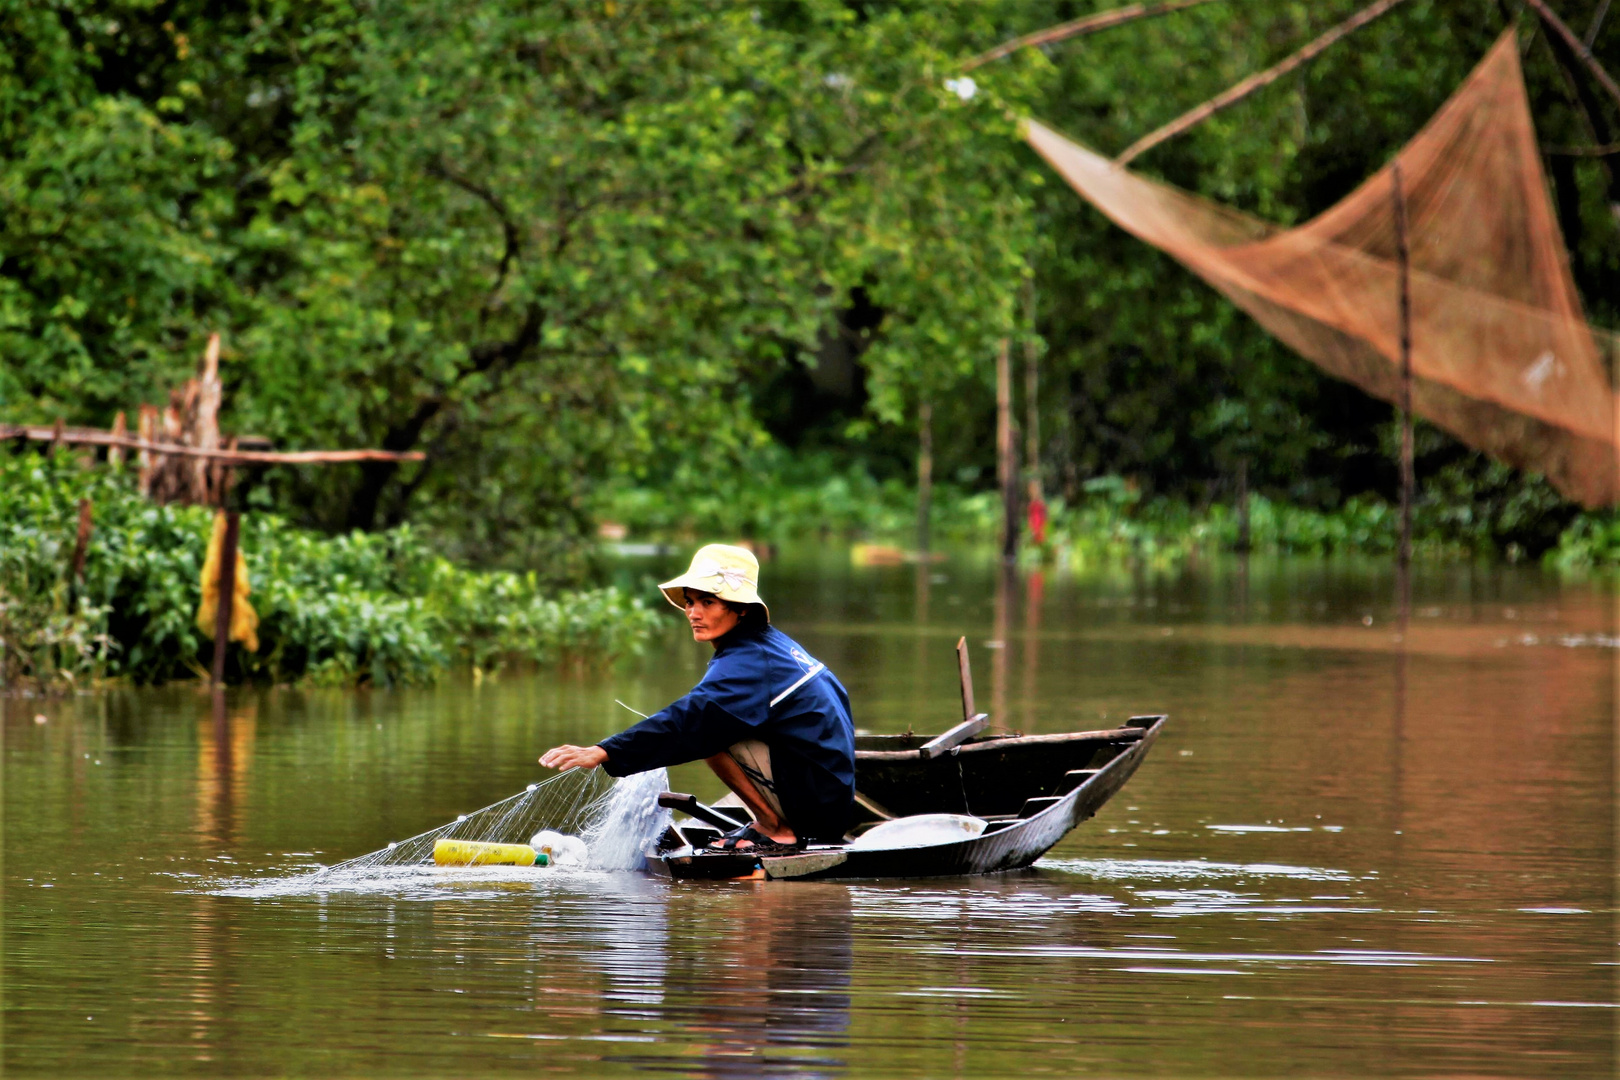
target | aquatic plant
x=363, y=608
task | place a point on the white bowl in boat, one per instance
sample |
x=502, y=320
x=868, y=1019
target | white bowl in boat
x=919, y=830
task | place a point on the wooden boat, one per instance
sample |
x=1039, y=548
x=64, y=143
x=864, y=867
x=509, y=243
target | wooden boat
x=1029, y=790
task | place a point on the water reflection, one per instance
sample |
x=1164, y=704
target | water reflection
x=1405, y=847
x=765, y=992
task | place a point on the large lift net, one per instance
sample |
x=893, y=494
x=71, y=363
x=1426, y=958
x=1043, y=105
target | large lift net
x=1502, y=355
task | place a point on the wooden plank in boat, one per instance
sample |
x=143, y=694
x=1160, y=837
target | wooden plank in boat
x=956, y=736
x=803, y=863
x=1116, y=735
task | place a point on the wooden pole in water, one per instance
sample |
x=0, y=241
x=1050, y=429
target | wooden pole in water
x=925, y=471
x=1006, y=458
x=227, y=593
x=1243, y=539
x=1032, y=402
x=1403, y=259
x=965, y=670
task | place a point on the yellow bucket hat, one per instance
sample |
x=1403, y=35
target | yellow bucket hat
x=731, y=573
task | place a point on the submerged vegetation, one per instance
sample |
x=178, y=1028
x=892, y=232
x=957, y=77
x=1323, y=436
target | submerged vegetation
x=361, y=608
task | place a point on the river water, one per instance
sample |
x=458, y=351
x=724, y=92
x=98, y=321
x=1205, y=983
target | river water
x=1351, y=854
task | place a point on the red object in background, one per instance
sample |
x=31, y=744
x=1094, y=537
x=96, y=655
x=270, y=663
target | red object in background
x=1037, y=520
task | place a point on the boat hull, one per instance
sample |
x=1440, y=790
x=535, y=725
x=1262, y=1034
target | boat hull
x=1025, y=821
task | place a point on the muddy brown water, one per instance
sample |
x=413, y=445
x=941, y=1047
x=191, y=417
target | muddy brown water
x=1348, y=855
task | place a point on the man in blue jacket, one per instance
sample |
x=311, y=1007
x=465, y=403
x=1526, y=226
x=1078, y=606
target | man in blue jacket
x=769, y=719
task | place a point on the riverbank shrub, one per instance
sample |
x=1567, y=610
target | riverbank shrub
x=1111, y=520
x=1484, y=512
x=364, y=608
x=1592, y=541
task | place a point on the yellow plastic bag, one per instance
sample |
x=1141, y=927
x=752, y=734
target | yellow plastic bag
x=244, y=620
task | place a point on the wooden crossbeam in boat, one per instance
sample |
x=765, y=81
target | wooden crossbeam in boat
x=1074, y=778
x=1037, y=804
x=956, y=736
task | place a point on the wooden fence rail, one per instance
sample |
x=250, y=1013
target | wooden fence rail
x=75, y=436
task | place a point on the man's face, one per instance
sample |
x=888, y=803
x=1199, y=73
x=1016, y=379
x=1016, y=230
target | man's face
x=709, y=616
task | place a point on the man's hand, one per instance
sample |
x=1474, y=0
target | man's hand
x=573, y=757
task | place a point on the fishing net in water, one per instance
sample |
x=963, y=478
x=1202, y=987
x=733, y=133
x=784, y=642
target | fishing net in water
x=1502, y=355
x=615, y=819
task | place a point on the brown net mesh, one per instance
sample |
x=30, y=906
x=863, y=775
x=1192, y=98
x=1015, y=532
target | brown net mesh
x=1502, y=356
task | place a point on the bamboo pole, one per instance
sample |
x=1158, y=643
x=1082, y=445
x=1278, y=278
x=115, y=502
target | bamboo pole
x=205, y=429
x=1241, y=90
x=120, y=428
x=227, y=593
x=1596, y=24
x=96, y=437
x=1006, y=459
x=1403, y=260
x=925, y=471
x=1090, y=24
x=1605, y=150
x=147, y=427
x=1581, y=48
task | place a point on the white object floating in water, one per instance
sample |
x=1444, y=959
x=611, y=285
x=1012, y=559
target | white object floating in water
x=919, y=830
x=562, y=849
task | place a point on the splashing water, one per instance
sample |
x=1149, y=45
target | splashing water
x=616, y=819
x=629, y=819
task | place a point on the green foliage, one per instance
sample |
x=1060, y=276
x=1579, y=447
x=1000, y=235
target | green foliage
x=542, y=241
x=1113, y=519
x=782, y=498
x=567, y=247
x=380, y=608
x=1592, y=541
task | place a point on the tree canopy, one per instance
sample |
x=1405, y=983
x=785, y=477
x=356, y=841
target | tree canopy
x=566, y=244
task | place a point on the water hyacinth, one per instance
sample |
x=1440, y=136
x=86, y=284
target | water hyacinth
x=365, y=608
